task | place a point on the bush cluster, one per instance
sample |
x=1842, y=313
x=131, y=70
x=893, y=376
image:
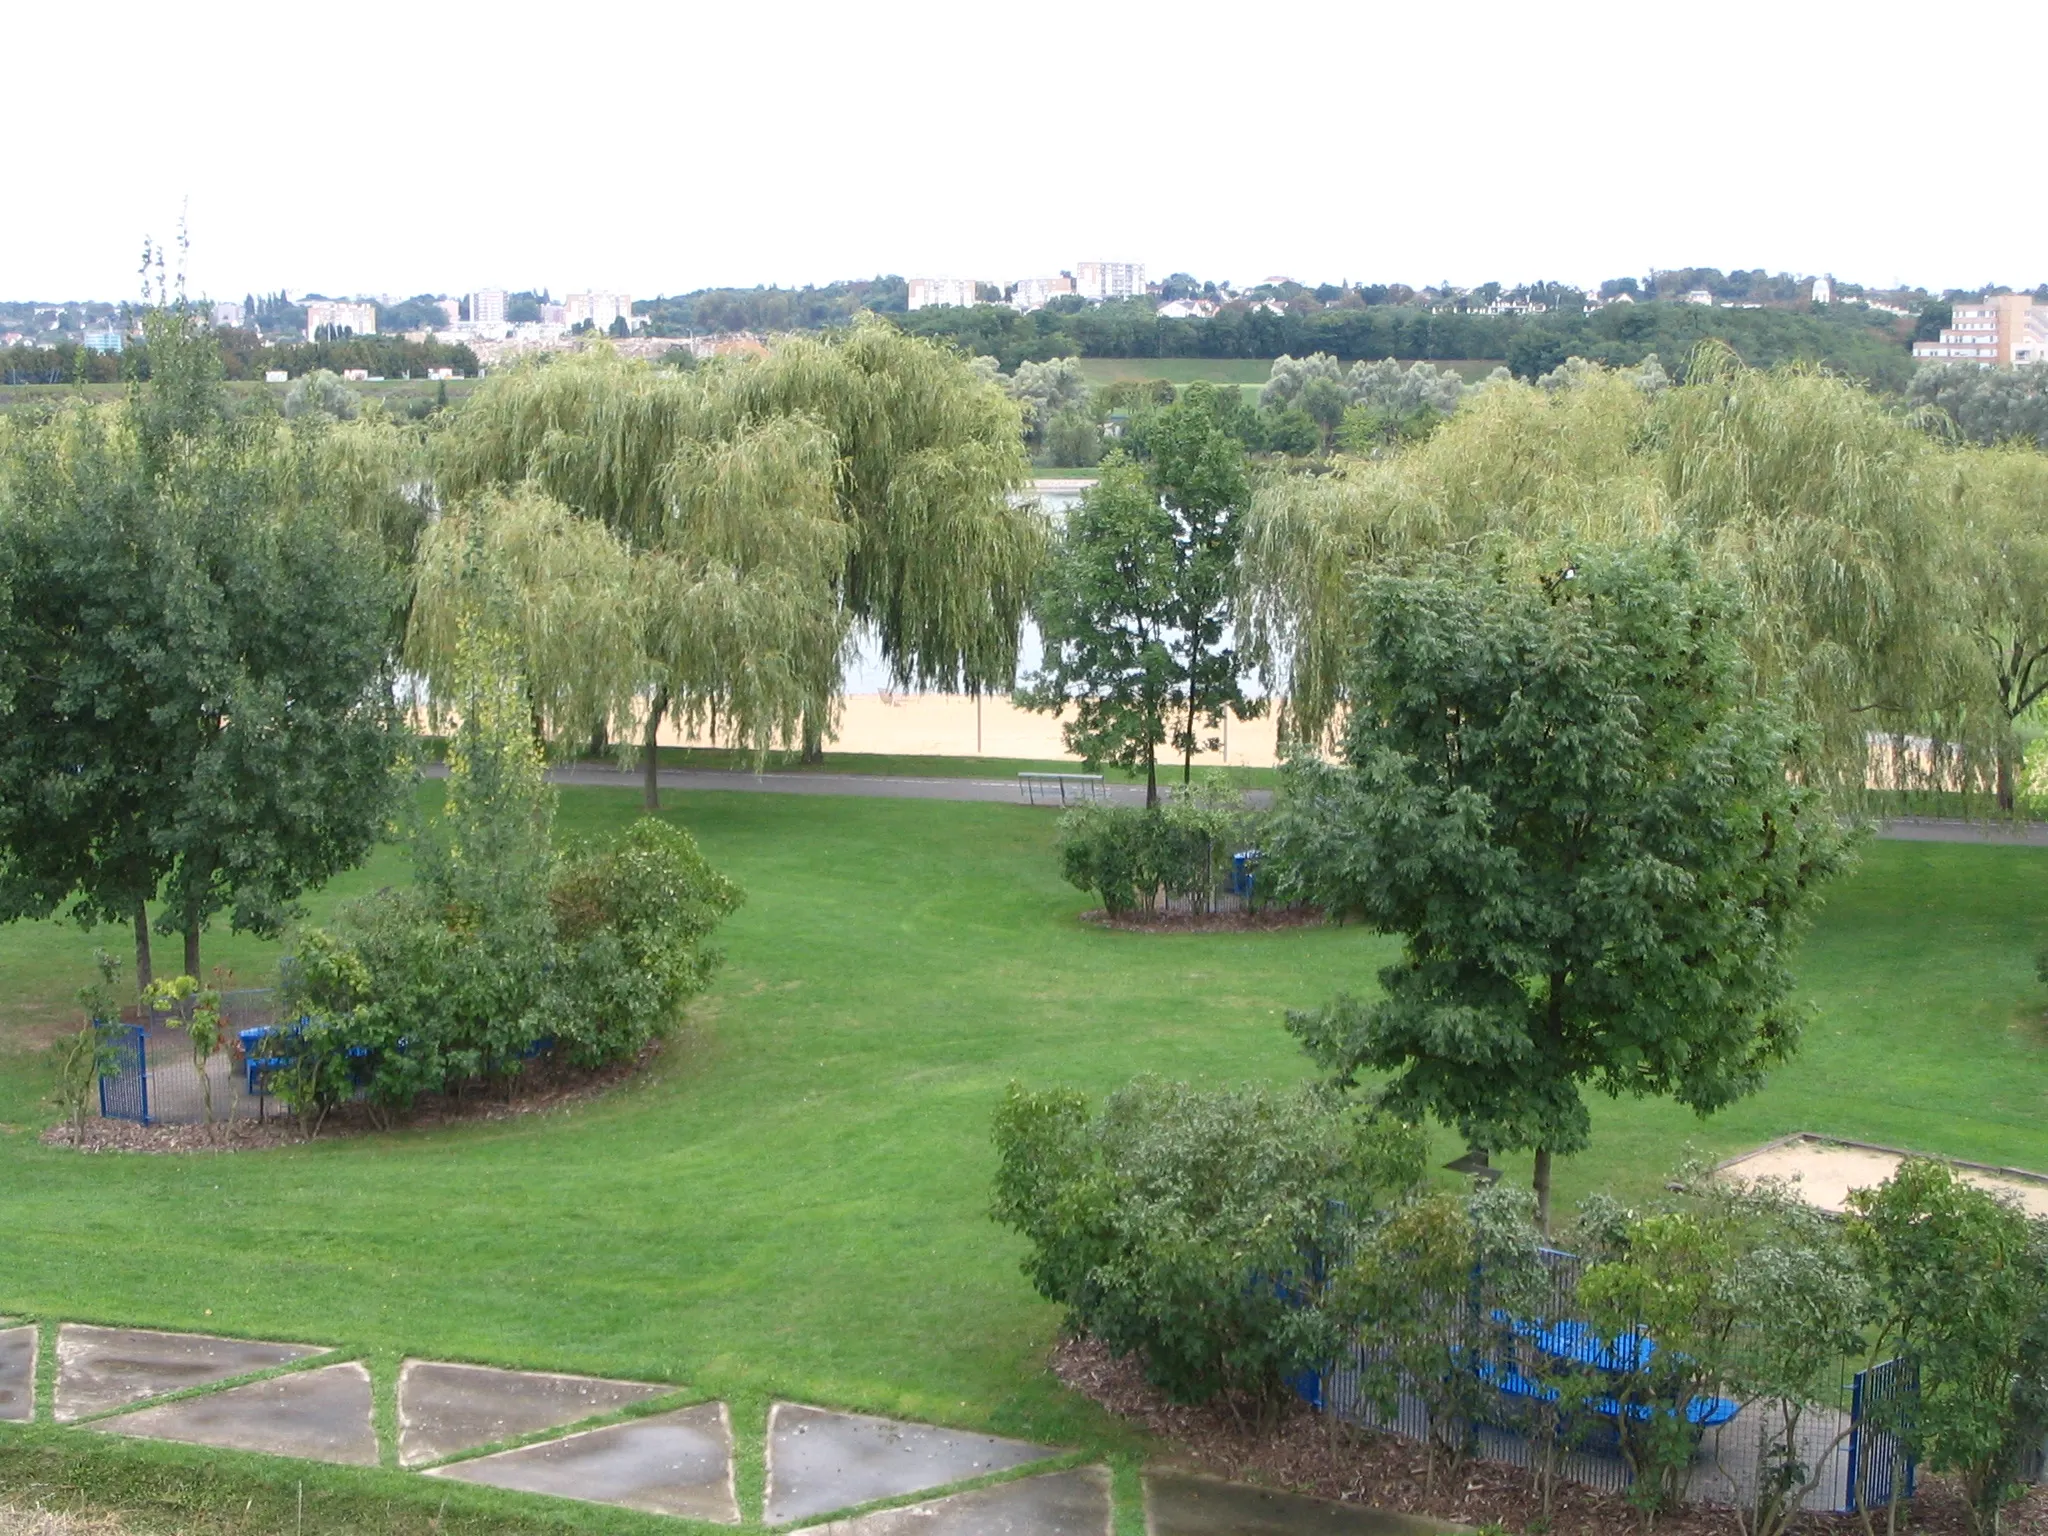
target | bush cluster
x=1174, y=855
x=1234, y=1239
x=503, y=950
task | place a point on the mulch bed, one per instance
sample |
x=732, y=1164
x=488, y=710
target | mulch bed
x=544, y=1088
x=1266, y=919
x=1296, y=1450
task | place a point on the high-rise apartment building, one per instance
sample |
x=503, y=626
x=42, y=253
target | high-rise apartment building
x=600, y=309
x=927, y=292
x=2005, y=328
x=487, y=306
x=1031, y=293
x=1109, y=279
x=338, y=315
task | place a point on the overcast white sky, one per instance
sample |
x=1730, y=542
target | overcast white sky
x=383, y=147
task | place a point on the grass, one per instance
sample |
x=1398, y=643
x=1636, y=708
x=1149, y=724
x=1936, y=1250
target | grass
x=930, y=766
x=1228, y=370
x=793, y=1202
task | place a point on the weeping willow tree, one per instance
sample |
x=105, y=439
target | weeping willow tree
x=644, y=545
x=1816, y=500
x=940, y=565
x=1998, y=521
x=1515, y=462
x=752, y=514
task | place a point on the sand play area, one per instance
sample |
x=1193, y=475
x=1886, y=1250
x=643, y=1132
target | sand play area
x=1826, y=1171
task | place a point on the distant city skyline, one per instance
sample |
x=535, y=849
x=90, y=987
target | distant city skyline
x=1597, y=139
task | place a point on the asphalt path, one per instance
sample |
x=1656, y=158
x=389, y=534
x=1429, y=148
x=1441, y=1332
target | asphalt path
x=1909, y=829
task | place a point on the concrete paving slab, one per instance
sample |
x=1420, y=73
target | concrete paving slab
x=1072, y=1503
x=444, y=1409
x=103, y=1368
x=18, y=1373
x=321, y=1415
x=819, y=1461
x=665, y=1464
x=1180, y=1504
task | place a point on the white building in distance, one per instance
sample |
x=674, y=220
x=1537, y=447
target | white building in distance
x=1823, y=290
x=228, y=313
x=600, y=309
x=1029, y=293
x=930, y=292
x=337, y=315
x=1109, y=279
x=487, y=306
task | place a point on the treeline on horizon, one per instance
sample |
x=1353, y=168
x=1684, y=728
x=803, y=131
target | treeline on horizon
x=243, y=357
x=1353, y=324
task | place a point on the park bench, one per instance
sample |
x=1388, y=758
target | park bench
x=1581, y=1346
x=1060, y=788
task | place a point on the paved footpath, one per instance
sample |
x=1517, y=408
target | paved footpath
x=1909, y=829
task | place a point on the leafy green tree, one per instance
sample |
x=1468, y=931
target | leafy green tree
x=198, y=646
x=1986, y=405
x=2000, y=556
x=1136, y=610
x=1558, y=788
x=1964, y=1278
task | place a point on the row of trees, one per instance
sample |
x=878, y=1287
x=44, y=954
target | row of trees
x=1865, y=344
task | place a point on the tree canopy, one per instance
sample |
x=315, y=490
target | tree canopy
x=198, y=705
x=1558, y=787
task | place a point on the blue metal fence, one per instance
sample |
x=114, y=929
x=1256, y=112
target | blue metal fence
x=124, y=1092
x=1880, y=1398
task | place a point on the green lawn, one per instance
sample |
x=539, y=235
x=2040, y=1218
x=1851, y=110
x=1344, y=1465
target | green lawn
x=1226, y=370
x=793, y=1203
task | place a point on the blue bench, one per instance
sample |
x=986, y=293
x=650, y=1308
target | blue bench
x=1577, y=1343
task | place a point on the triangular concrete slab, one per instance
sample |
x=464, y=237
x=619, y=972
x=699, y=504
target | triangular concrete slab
x=18, y=1374
x=1181, y=1504
x=445, y=1409
x=819, y=1461
x=676, y=1463
x=319, y=1415
x=1072, y=1503
x=99, y=1369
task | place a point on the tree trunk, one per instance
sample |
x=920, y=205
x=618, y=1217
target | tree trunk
x=1542, y=1183
x=600, y=740
x=192, y=945
x=1187, y=766
x=143, y=974
x=814, y=739
x=1151, y=778
x=2006, y=796
x=650, y=764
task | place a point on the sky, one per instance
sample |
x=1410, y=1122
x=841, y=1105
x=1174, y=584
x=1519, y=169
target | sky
x=658, y=148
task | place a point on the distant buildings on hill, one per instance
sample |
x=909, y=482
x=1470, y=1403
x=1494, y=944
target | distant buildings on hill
x=1096, y=280
x=2006, y=328
x=339, y=317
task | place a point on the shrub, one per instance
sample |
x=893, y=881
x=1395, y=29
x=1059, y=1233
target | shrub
x=1187, y=1226
x=1178, y=852
x=1964, y=1281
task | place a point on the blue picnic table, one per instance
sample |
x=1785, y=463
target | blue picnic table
x=1580, y=1344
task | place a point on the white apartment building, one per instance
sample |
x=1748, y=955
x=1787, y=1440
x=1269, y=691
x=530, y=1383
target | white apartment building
x=487, y=306
x=1109, y=279
x=333, y=315
x=2005, y=328
x=228, y=313
x=600, y=309
x=1823, y=290
x=1031, y=293
x=929, y=292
